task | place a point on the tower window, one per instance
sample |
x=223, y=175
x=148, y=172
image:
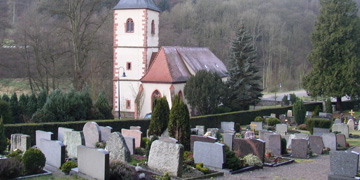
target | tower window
x=128, y=66
x=128, y=104
x=152, y=27
x=129, y=25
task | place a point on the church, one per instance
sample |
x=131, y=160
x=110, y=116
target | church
x=143, y=71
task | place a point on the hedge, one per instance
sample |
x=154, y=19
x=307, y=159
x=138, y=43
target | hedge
x=209, y=121
x=318, y=123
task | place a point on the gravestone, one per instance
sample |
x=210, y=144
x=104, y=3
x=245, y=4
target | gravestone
x=227, y=126
x=54, y=152
x=326, y=115
x=130, y=143
x=92, y=134
x=308, y=114
x=316, y=144
x=250, y=135
x=133, y=133
x=341, y=140
x=281, y=129
x=43, y=135
x=20, y=141
x=213, y=131
x=342, y=128
x=358, y=126
x=320, y=131
x=194, y=138
x=299, y=148
x=344, y=163
x=333, y=108
x=105, y=132
x=262, y=134
x=228, y=140
x=282, y=118
x=72, y=139
x=194, y=131
x=165, y=133
x=117, y=148
x=258, y=126
x=289, y=113
x=61, y=132
x=351, y=124
x=214, y=156
x=135, y=128
x=273, y=142
x=273, y=115
x=243, y=147
x=329, y=140
x=93, y=162
x=201, y=130
x=337, y=121
x=166, y=157
x=168, y=139
x=350, y=116
x=296, y=136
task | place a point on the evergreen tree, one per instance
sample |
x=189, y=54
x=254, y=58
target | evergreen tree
x=5, y=97
x=88, y=104
x=103, y=106
x=5, y=112
x=164, y=5
x=73, y=106
x=179, y=123
x=31, y=106
x=54, y=106
x=159, y=117
x=299, y=111
x=41, y=100
x=204, y=91
x=334, y=56
x=23, y=100
x=328, y=106
x=14, y=107
x=244, y=82
x=3, y=142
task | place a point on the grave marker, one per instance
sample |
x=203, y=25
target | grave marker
x=43, y=135
x=92, y=134
x=281, y=129
x=214, y=156
x=228, y=140
x=342, y=128
x=243, y=147
x=93, y=162
x=72, y=139
x=54, y=152
x=117, y=148
x=105, y=132
x=20, y=141
x=282, y=118
x=341, y=140
x=259, y=126
x=133, y=133
x=351, y=124
x=320, y=131
x=344, y=163
x=299, y=148
x=201, y=130
x=316, y=144
x=61, y=132
x=130, y=143
x=227, y=126
x=329, y=140
x=273, y=142
x=194, y=138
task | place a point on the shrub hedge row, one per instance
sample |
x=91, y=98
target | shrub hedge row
x=209, y=121
x=318, y=123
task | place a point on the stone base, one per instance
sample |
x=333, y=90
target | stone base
x=338, y=177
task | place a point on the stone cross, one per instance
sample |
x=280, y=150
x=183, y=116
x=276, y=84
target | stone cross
x=352, y=113
x=253, y=126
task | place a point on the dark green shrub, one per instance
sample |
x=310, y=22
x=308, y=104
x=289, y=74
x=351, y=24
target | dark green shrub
x=160, y=117
x=119, y=171
x=34, y=160
x=5, y=97
x=43, y=115
x=144, y=142
x=5, y=112
x=103, y=105
x=23, y=101
x=88, y=105
x=3, y=142
x=41, y=100
x=67, y=166
x=17, y=154
x=166, y=176
x=232, y=162
x=317, y=122
x=299, y=111
x=302, y=127
x=11, y=168
x=31, y=107
x=200, y=167
x=148, y=146
x=259, y=119
x=283, y=146
x=273, y=121
x=316, y=111
x=328, y=106
x=140, y=151
x=285, y=100
x=14, y=107
x=74, y=106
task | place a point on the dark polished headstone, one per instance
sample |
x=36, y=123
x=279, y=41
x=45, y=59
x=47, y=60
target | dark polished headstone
x=243, y=147
x=316, y=144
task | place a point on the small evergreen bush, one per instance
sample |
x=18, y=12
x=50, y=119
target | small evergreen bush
x=299, y=112
x=11, y=168
x=34, y=160
x=316, y=111
x=273, y=121
x=5, y=112
x=259, y=119
x=67, y=166
x=3, y=142
x=144, y=142
x=283, y=146
x=317, y=122
x=17, y=154
x=232, y=162
x=328, y=106
x=160, y=117
x=120, y=171
x=103, y=105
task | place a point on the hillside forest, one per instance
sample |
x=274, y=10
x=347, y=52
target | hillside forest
x=49, y=42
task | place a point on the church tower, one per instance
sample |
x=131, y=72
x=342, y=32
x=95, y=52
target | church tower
x=136, y=38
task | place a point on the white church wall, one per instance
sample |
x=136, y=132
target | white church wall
x=153, y=39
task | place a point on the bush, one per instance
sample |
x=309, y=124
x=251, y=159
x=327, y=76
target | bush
x=160, y=117
x=67, y=166
x=317, y=122
x=34, y=160
x=299, y=112
x=302, y=127
x=232, y=162
x=5, y=112
x=3, y=142
x=316, y=111
x=273, y=121
x=144, y=142
x=252, y=160
x=103, y=105
x=166, y=176
x=11, y=168
x=328, y=106
x=259, y=119
x=17, y=154
x=285, y=100
x=200, y=167
x=119, y=171
x=283, y=146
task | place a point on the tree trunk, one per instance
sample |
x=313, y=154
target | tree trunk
x=338, y=104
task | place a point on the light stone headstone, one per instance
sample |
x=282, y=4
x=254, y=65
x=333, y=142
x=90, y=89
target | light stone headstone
x=166, y=157
x=92, y=134
x=351, y=124
x=320, y=131
x=273, y=115
x=337, y=121
x=130, y=142
x=262, y=134
x=194, y=131
x=214, y=156
x=228, y=140
x=289, y=113
x=201, y=130
x=135, y=128
x=249, y=135
x=43, y=135
x=308, y=114
x=61, y=132
x=117, y=148
x=333, y=108
x=54, y=152
x=133, y=133
x=273, y=142
x=342, y=128
x=20, y=141
x=299, y=148
x=296, y=136
x=227, y=126
x=316, y=144
x=93, y=162
x=329, y=140
x=281, y=129
x=213, y=131
x=344, y=163
x=282, y=118
x=341, y=140
x=72, y=139
x=258, y=127
x=105, y=132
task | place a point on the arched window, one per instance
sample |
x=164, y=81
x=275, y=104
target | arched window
x=154, y=97
x=129, y=25
x=152, y=27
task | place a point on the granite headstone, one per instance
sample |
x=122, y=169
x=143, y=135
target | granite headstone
x=92, y=134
